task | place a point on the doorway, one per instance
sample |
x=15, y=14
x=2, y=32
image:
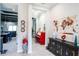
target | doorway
x=33, y=27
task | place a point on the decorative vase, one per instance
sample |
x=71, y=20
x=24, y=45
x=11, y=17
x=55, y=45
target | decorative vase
x=63, y=37
x=55, y=35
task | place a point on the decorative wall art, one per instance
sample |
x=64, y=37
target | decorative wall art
x=22, y=26
x=56, y=23
x=63, y=25
x=66, y=27
x=67, y=22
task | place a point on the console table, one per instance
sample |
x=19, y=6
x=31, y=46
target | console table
x=62, y=48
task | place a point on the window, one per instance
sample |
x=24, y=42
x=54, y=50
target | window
x=12, y=28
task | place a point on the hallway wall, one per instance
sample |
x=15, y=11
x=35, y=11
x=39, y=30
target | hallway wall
x=42, y=21
x=24, y=14
x=57, y=13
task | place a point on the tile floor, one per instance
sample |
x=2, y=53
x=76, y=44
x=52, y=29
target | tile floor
x=38, y=50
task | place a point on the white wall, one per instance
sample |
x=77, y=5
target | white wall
x=41, y=21
x=22, y=15
x=29, y=29
x=48, y=27
x=58, y=12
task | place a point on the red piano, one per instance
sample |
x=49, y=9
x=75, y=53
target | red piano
x=41, y=38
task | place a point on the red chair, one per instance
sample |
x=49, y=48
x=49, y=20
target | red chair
x=42, y=38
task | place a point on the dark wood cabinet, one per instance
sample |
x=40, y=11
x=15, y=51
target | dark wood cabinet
x=62, y=48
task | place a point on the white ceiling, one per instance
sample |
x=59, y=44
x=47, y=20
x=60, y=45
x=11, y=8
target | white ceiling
x=37, y=8
x=40, y=8
x=44, y=5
